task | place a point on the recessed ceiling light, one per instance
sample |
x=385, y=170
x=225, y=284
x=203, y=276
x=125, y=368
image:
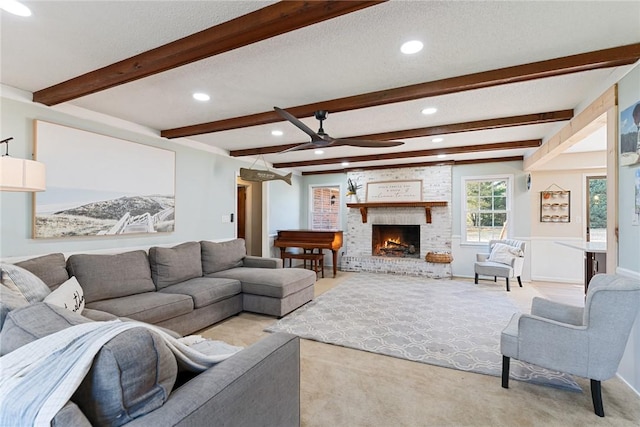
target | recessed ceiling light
x=199, y=96
x=345, y=163
x=429, y=110
x=438, y=139
x=15, y=7
x=277, y=132
x=411, y=47
x=318, y=152
x=442, y=156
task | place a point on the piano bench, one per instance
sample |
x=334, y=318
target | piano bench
x=317, y=260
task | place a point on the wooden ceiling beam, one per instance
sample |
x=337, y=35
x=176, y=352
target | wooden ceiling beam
x=512, y=145
x=478, y=125
x=613, y=57
x=270, y=21
x=420, y=164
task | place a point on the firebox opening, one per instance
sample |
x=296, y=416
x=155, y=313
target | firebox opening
x=397, y=241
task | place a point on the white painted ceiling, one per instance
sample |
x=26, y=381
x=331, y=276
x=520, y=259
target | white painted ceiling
x=349, y=55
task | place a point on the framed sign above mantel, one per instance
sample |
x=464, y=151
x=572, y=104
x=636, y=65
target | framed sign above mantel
x=394, y=191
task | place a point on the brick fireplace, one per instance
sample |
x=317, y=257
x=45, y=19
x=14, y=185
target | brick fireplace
x=427, y=237
x=395, y=241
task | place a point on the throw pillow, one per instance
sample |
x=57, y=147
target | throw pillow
x=9, y=300
x=504, y=254
x=174, y=265
x=24, y=282
x=222, y=256
x=69, y=295
x=52, y=269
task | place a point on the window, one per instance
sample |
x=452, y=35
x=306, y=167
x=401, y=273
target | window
x=486, y=208
x=325, y=208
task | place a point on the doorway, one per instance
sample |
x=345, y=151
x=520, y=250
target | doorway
x=249, y=215
x=596, y=206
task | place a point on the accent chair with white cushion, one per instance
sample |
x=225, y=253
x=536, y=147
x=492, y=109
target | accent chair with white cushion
x=505, y=259
x=588, y=342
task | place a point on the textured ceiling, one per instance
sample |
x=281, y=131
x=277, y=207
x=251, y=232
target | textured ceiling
x=348, y=55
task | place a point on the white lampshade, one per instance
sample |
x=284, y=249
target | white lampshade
x=21, y=175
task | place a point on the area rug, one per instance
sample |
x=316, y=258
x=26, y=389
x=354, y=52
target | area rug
x=446, y=323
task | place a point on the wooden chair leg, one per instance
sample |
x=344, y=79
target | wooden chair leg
x=596, y=396
x=476, y=279
x=508, y=289
x=519, y=281
x=505, y=371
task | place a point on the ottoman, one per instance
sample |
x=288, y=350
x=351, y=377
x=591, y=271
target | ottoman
x=275, y=292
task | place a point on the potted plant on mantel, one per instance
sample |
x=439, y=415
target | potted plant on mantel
x=352, y=190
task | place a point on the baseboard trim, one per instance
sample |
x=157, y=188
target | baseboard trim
x=628, y=385
x=556, y=279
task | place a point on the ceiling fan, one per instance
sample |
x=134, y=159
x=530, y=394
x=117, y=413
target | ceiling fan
x=321, y=140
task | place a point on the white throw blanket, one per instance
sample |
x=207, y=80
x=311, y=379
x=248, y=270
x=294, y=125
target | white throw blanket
x=40, y=377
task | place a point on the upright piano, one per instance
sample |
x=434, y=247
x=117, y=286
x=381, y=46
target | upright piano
x=310, y=239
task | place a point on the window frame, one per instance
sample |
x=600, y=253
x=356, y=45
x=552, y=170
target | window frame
x=509, y=178
x=312, y=188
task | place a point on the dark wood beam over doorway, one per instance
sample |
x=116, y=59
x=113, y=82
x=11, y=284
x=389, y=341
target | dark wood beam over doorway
x=270, y=21
x=613, y=57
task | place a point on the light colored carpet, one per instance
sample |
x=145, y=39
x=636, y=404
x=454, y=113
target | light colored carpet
x=447, y=323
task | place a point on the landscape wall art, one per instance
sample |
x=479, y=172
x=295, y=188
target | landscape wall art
x=630, y=135
x=98, y=185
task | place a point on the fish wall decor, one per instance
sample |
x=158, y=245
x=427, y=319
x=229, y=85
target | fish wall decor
x=261, y=176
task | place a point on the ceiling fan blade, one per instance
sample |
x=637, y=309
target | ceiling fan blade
x=365, y=143
x=297, y=123
x=304, y=146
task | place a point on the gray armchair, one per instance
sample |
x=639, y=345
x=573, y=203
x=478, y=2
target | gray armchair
x=588, y=342
x=501, y=266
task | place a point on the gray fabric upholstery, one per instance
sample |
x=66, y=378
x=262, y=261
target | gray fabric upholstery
x=150, y=307
x=174, y=265
x=52, y=269
x=259, y=386
x=10, y=300
x=205, y=290
x=201, y=318
x=484, y=267
x=70, y=416
x=277, y=283
x=277, y=306
x=131, y=375
x=260, y=262
x=591, y=348
x=24, y=282
x=97, y=315
x=557, y=311
x=222, y=256
x=34, y=321
x=111, y=276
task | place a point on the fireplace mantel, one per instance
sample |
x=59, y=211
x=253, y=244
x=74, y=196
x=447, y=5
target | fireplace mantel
x=426, y=205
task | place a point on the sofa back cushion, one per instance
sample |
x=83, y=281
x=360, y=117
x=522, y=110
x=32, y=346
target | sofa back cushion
x=131, y=375
x=24, y=282
x=52, y=269
x=222, y=256
x=174, y=265
x=111, y=276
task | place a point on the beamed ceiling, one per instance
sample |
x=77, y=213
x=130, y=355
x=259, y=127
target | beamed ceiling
x=504, y=76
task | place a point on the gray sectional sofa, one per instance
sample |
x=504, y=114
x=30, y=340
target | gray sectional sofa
x=184, y=288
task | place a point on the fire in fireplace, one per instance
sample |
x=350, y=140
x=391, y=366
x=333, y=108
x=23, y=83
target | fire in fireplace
x=398, y=241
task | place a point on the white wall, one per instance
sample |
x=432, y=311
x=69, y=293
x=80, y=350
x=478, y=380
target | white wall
x=205, y=185
x=629, y=234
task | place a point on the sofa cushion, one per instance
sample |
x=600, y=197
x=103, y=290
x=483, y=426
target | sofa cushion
x=69, y=295
x=222, y=256
x=70, y=415
x=111, y=276
x=150, y=307
x=52, y=269
x=174, y=265
x=24, y=282
x=131, y=375
x=205, y=290
x=9, y=301
x=276, y=283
